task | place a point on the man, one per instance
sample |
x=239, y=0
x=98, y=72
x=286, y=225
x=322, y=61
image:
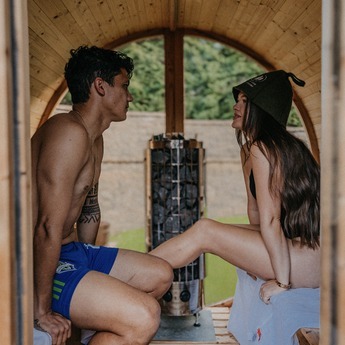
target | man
x=112, y=291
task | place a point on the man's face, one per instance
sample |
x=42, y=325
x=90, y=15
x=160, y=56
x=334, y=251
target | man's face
x=119, y=96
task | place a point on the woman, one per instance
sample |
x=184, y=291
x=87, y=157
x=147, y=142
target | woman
x=281, y=243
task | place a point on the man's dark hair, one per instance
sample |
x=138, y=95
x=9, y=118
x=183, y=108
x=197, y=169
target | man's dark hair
x=88, y=63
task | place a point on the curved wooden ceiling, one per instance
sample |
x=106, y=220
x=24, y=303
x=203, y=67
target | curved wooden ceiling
x=280, y=34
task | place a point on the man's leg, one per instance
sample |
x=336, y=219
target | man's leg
x=118, y=312
x=123, y=307
x=142, y=271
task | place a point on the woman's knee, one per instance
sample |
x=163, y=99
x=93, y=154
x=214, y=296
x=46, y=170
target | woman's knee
x=203, y=227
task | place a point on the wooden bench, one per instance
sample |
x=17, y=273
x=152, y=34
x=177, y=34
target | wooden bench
x=308, y=336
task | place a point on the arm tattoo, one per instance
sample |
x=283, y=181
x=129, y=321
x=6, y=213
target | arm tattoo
x=90, y=212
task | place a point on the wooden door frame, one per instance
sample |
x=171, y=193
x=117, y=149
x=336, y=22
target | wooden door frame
x=16, y=289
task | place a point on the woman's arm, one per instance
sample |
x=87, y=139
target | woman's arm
x=252, y=206
x=269, y=207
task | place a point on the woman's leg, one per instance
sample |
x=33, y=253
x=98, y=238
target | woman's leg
x=241, y=245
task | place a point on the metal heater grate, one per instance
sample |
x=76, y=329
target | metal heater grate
x=175, y=201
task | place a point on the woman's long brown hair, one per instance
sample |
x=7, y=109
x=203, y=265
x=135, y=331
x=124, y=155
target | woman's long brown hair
x=298, y=181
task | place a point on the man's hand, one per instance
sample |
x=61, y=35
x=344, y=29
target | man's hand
x=56, y=325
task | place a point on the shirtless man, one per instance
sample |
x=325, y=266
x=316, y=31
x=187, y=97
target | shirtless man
x=112, y=291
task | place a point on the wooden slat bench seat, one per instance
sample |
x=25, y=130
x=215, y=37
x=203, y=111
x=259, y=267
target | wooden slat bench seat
x=220, y=317
x=308, y=336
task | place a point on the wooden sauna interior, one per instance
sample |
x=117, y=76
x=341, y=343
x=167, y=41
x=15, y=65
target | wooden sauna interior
x=303, y=36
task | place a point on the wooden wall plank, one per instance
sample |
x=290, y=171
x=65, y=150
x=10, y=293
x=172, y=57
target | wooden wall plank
x=290, y=11
x=40, y=90
x=61, y=19
x=104, y=18
x=137, y=23
x=208, y=11
x=287, y=21
x=45, y=53
x=181, y=13
x=45, y=74
x=36, y=106
x=272, y=33
x=223, y=19
x=333, y=175
x=119, y=14
x=154, y=13
x=165, y=12
x=16, y=318
x=312, y=101
x=305, y=25
x=239, y=21
x=7, y=245
x=192, y=13
x=314, y=88
x=45, y=29
x=84, y=19
x=141, y=10
x=258, y=13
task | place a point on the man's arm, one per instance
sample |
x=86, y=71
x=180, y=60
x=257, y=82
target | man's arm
x=60, y=159
x=90, y=217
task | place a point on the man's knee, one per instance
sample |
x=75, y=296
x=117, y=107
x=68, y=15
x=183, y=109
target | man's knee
x=139, y=329
x=146, y=323
x=164, y=275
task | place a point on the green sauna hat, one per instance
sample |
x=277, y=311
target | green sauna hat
x=272, y=92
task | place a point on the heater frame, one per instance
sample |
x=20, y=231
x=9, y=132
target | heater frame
x=186, y=294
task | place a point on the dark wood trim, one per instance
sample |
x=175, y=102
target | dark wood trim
x=314, y=145
x=55, y=99
x=174, y=83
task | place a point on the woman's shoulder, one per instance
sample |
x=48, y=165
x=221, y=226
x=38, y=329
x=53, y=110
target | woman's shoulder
x=258, y=149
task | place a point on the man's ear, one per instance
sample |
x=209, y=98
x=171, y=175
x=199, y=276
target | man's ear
x=98, y=84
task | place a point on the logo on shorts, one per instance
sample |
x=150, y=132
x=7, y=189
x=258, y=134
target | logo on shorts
x=65, y=267
x=87, y=246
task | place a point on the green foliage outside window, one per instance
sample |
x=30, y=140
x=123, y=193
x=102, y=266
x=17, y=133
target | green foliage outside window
x=211, y=69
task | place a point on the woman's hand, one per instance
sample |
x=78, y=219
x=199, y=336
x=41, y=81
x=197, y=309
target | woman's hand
x=269, y=289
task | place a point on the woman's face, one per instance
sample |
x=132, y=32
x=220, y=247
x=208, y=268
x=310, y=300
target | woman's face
x=239, y=111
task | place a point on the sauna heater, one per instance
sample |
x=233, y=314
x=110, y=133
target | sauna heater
x=175, y=201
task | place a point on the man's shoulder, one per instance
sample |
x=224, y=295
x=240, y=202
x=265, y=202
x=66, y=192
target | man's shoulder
x=61, y=125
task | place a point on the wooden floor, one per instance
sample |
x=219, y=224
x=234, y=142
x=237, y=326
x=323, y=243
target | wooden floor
x=220, y=316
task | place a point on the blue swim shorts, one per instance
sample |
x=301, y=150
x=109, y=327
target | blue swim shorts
x=77, y=259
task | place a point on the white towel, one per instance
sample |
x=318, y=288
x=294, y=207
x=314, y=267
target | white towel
x=42, y=338
x=86, y=336
x=253, y=322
